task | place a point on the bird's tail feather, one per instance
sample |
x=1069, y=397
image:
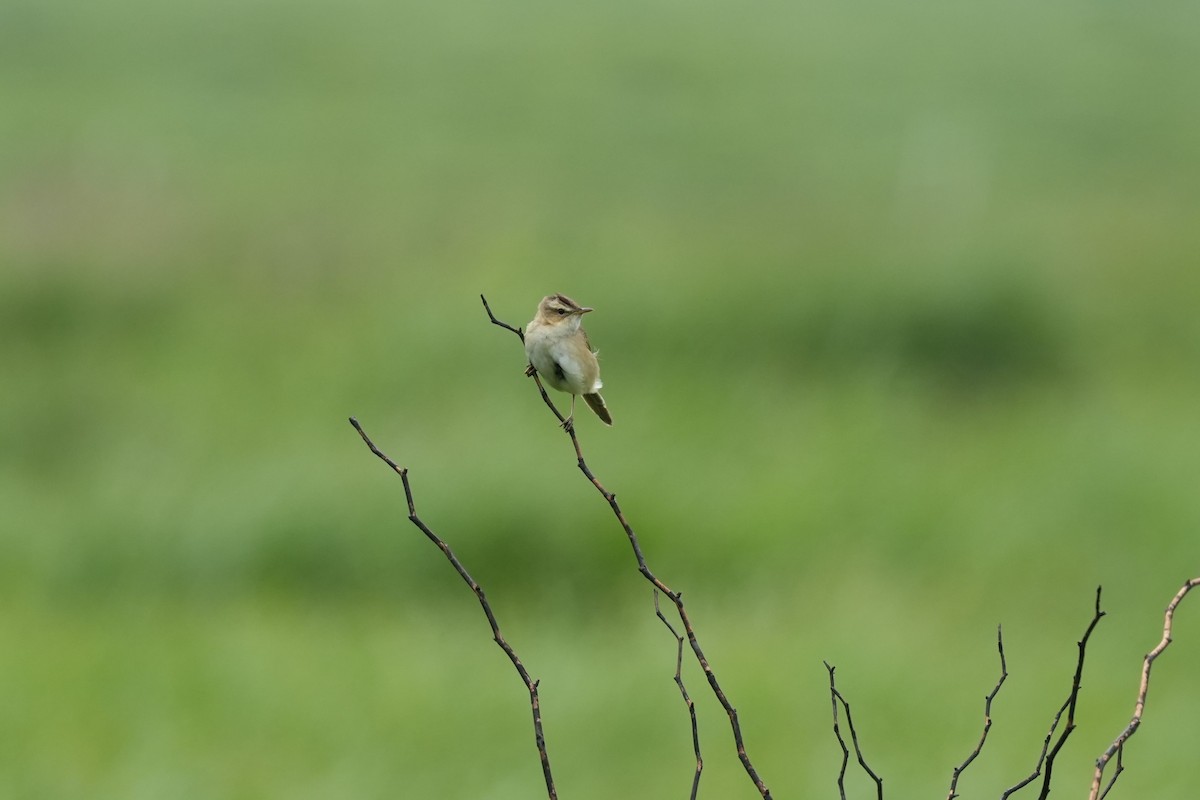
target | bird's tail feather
x=596, y=403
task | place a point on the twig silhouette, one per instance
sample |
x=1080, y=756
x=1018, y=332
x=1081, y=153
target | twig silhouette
x=691, y=706
x=987, y=718
x=1116, y=772
x=1118, y=746
x=836, y=697
x=644, y=569
x=833, y=699
x=1068, y=706
x=530, y=684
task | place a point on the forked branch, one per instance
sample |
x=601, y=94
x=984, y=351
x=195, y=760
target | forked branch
x=687, y=700
x=530, y=684
x=1045, y=762
x=1118, y=746
x=644, y=569
x=987, y=718
x=836, y=697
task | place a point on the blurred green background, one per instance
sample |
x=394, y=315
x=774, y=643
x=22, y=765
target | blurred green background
x=898, y=312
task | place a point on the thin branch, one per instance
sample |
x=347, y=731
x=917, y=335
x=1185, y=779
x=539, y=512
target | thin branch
x=520, y=333
x=691, y=706
x=644, y=569
x=530, y=684
x=1037, y=770
x=987, y=717
x=833, y=698
x=1047, y=760
x=1139, y=707
x=1116, y=772
x=837, y=697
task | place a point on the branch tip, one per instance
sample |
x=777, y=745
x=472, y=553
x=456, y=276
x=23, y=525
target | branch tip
x=1118, y=746
x=530, y=684
x=644, y=569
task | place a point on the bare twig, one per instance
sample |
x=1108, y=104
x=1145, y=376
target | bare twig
x=1116, y=772
x=1118, y=745
x=691, y=706
x=987, y=717
x=833, y=698
x=530, y=684
x=520, y=333
x=836, y=697
x=1037, y=770
x=644, y=569
x=1047, y=760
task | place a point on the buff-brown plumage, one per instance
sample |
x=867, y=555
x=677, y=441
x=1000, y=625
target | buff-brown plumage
x=558, y=348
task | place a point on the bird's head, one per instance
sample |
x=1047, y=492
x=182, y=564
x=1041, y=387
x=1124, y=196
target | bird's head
x=558, y=309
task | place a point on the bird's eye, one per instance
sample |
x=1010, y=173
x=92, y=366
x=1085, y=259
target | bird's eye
x=562, y=312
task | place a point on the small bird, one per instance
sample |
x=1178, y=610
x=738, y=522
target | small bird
x=558, y=348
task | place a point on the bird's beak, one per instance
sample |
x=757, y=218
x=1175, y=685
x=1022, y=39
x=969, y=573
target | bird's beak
x=585, y=310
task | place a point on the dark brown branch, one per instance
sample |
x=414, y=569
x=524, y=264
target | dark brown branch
x=644, y=569
x=691, y=706
x=1047, y=760
x=1116, y=772
x=1037, y=770
x=836, y=697
x=987, y=717
x=833, y=698
x=520, y=333
x=1118, y=745
x=530, y=684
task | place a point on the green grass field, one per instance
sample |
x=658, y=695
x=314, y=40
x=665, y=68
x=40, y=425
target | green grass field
x=897, y=311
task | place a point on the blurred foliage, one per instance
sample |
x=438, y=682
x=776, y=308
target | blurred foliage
x=897, y=313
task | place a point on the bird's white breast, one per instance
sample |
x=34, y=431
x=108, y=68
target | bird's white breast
x=552, y=349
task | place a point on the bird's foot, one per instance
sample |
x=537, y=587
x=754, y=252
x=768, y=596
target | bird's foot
x=568, y=424
x=530, y=371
